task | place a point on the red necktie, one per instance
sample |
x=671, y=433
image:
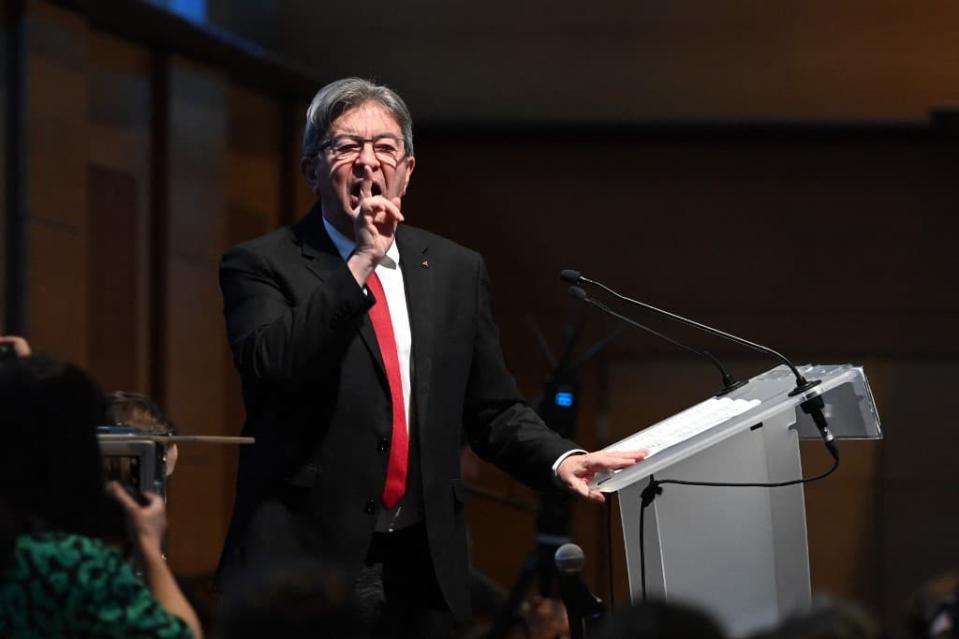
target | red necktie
x=379, y=313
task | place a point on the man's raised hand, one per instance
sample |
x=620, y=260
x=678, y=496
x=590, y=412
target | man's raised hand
x=375, y=219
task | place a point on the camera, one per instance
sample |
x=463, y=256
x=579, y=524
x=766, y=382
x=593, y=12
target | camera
x=135, y=461
x=7, y=353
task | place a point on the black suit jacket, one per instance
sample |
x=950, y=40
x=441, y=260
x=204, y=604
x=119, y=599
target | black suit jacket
x=318, y=402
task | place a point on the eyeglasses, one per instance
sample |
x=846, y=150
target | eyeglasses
x=387, y=148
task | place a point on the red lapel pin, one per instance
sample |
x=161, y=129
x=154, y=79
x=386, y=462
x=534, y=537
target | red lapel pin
x=425, y=263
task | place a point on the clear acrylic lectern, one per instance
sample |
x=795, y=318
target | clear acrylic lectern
x=738, y=552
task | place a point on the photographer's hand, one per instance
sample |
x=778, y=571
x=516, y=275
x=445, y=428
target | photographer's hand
x=19, y=344
x=146, y=526
x=146, y=523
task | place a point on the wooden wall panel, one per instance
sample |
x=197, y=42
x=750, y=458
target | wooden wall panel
x=3, y=178
x=112, y=274
x=844, y=514
x=302, y=198
x=252, y=184
x=253, y=164
x=626, y=60
x=199, y=495
x=198, y=130
x=57, y=285
x=119, y=114
x=793, y=242
x=919, y=475
x=55, y=174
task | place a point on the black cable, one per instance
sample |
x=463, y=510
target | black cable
x=648, y=495
x=780, y=484
x=609, y=550
x=642, y=552
x=654, y=488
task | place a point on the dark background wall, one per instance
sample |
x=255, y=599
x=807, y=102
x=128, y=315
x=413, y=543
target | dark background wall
x=767, y=169
x=615, y=60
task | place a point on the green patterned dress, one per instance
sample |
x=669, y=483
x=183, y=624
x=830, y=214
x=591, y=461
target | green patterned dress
x=63, y=585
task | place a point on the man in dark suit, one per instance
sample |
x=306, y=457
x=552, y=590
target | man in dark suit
x=366, y=348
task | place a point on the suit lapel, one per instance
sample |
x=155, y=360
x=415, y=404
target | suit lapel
x=321, y=257
x=418, y=282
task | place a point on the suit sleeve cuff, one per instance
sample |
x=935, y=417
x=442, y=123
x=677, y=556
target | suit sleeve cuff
x=575, y=451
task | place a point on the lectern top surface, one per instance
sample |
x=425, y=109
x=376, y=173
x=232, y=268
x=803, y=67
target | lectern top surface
x=691, y=422
x=849, y=407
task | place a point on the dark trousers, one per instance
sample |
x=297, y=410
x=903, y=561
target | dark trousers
x=397, y=590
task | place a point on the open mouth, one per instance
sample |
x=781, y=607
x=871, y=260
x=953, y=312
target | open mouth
x=375, y=189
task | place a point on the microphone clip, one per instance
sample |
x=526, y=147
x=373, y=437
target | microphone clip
x=814, y=407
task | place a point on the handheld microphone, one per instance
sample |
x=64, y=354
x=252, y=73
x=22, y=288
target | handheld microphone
x=582, y=607
x=802, y=385
x=729, y=382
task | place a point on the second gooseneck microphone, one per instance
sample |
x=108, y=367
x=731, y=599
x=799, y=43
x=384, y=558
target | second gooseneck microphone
x=729, y=382
x=802, y=384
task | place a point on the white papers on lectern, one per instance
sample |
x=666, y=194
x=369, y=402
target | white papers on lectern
x=682, y=426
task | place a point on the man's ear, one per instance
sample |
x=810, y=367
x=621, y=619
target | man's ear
x=410, y=163
x=308, y=169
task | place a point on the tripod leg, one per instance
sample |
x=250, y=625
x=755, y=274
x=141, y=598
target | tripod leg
x=508, y=612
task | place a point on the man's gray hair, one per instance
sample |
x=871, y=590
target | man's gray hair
x=340, y=96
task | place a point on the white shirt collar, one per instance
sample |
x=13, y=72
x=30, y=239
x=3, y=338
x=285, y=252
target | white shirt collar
x=345, y=245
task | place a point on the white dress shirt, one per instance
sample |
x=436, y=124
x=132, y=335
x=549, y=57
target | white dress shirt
x=391, y=277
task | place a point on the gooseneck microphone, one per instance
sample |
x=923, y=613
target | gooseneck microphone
x=802, y=385
x=729, y=382
x=813, y=406
x=583, y=608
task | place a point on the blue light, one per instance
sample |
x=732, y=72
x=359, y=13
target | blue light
x=194, y=10
x=564, y=399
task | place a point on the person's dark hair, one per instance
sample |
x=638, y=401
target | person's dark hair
x=659, y=620
x=827, y=618
x=138, y=411
x=295, y=598
x=51, y=473
x=934, y=609
x=9, y=529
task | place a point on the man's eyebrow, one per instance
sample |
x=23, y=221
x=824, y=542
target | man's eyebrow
x=376, y=135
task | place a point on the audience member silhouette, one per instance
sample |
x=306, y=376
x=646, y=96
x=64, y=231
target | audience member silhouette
x=294, y=598
x=934, y=610
x=58, y=578
x=827, y=618
x=659, y=620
